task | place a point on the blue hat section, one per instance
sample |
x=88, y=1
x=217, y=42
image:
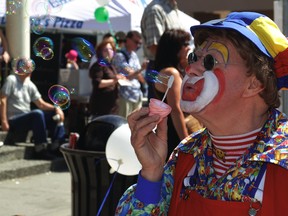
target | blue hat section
x=238, y=21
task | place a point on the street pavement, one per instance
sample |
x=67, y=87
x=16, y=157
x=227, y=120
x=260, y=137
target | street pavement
x=47, y=194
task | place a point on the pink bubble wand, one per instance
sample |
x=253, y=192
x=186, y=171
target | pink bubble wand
x=159, y=107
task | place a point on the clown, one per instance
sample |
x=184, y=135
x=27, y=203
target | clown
x=238, y=164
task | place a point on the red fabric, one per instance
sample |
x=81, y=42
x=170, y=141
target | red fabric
x=182, y=168
x=274, y=198
x=275, y=201
x=281, y=64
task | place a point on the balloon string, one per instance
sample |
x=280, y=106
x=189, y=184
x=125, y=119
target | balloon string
x=110, y=27
x=112, y=32
x=108, y=191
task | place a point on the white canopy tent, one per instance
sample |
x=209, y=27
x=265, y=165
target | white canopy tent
x=78, y=15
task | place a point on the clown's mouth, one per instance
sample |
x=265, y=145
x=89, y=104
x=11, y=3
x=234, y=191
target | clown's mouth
x=192, y=91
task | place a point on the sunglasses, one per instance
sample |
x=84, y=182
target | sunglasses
x=209, y=61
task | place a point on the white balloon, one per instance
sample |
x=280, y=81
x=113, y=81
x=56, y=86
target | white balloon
x=120, y=153
x=103, y=2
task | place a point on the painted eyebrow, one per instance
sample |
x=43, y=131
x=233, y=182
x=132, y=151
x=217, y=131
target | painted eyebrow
x=221, y=48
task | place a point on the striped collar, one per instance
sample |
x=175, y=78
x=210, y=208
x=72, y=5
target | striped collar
x=271, y=144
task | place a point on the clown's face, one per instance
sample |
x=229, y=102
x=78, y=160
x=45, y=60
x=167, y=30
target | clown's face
x=215, y=75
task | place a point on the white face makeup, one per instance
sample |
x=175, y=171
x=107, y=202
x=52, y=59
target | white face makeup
x=199, y=91
x=207, y=93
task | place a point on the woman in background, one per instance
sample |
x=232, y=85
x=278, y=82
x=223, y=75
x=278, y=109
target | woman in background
x=171, y=59
x=103, y=99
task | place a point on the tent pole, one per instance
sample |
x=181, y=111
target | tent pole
x=18, y=31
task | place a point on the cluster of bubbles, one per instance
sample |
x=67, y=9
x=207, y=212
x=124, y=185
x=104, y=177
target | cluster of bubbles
x=151, y=75
x=123, y=68
x=43, y=47
x=41, y=10
x=12, y=6
x=157, y=77
x=44, y=8
x=60, y=96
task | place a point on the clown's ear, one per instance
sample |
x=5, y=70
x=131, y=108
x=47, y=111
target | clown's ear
x=254, y=87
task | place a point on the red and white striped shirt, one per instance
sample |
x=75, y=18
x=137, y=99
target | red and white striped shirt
x=227, y=149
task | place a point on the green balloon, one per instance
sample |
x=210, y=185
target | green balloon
x=101, y=14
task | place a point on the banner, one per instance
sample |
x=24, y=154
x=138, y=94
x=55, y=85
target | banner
x=124, y=15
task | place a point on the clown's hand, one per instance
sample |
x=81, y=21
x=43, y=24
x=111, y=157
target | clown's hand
x=150, y=147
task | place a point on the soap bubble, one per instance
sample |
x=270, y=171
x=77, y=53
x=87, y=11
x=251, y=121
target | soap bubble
x=43, y=47
x=72, y=91
x=38, y=25
x=60, y=96
x=84, y=49
x=23, y=66
x=157, y=77
x=38, y=8
x=64, y=106
x=41, y=8
x=47, y=53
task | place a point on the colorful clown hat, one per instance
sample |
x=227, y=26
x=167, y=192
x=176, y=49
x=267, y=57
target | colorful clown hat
x=262, y=32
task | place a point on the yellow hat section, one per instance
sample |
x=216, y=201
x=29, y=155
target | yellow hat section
x=270, y=35
x=221, y=48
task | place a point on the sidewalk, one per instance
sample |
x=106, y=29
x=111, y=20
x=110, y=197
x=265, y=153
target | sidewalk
x=46, y=194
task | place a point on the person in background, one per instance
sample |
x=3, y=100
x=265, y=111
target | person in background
x=120, y=38
x=17, y=93
x=171, y=60
x=4, y=56
x=71, y=57
x=104, y=97
x=106, y=37
x=237, y=165
x=4, y=51
x=158, y=16
x=127, y=62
